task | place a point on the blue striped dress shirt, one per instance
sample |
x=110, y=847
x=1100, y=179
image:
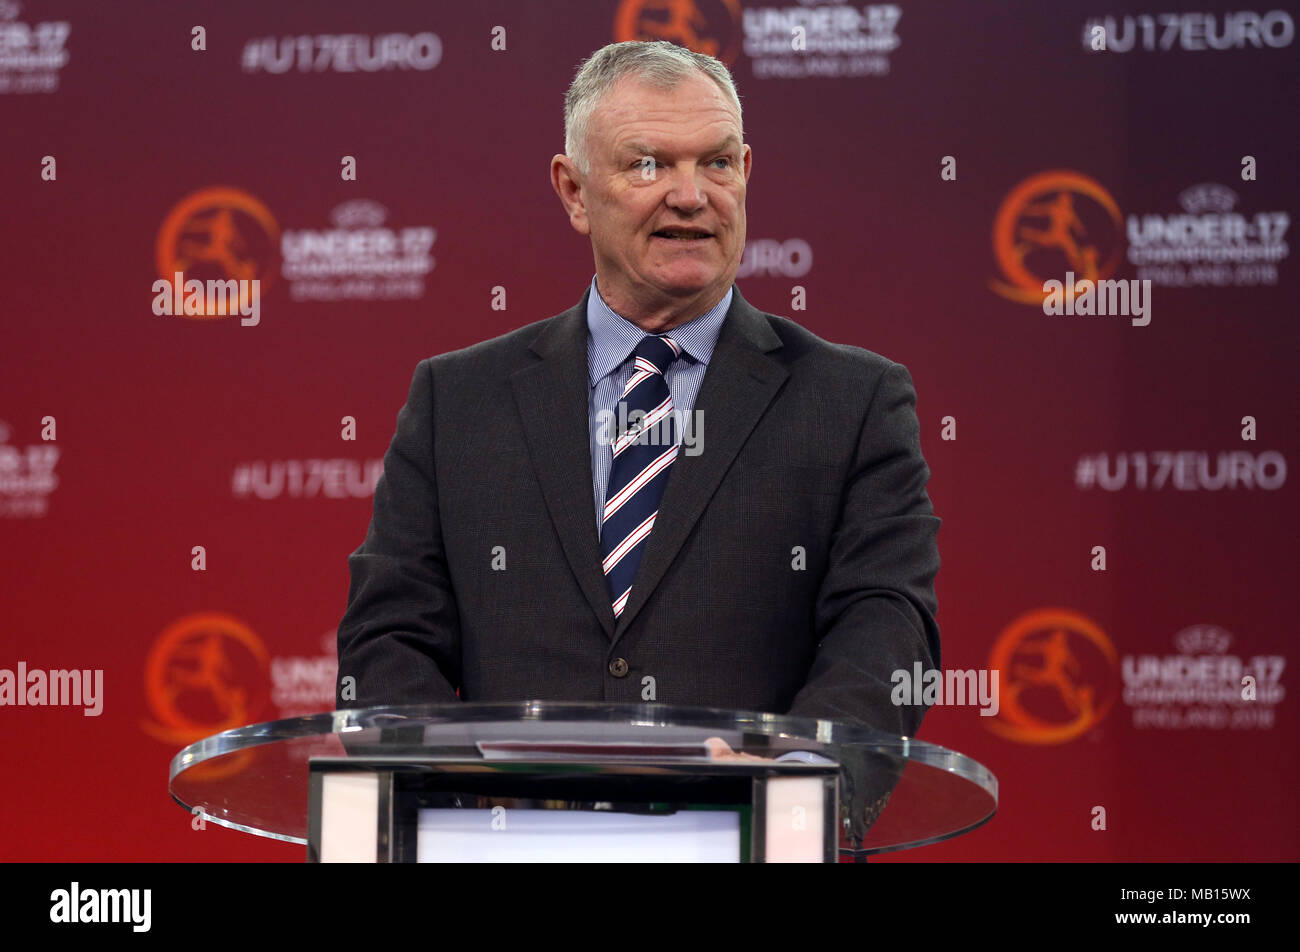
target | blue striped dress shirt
x=610, y=342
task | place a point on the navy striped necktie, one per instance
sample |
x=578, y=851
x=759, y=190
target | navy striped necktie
x=643, y=457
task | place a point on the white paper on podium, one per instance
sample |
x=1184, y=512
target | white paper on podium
x=591, y=750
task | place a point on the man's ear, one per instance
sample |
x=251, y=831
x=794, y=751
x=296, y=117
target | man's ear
x=567, y=182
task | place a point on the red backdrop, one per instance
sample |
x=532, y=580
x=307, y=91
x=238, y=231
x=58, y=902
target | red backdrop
x=128, y=438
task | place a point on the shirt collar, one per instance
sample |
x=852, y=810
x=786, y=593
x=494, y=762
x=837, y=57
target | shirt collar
x=613, y=337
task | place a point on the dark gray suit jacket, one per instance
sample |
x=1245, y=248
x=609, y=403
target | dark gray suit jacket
x=791, y=568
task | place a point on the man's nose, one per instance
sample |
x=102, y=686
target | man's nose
x=686, y=192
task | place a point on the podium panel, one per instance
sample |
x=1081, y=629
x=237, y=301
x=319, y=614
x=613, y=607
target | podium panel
x=374, y=809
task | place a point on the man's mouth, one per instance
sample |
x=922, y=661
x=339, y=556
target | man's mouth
x=683, y=234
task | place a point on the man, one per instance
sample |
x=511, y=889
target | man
x=662, y=493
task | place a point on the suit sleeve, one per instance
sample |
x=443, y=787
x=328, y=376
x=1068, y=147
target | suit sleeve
x=875, y=607
x=400, y=635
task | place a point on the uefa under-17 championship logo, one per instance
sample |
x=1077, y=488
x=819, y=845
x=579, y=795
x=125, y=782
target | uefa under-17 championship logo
x=1050, y=224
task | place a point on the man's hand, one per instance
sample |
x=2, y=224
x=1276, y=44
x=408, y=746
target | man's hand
x=719, y=749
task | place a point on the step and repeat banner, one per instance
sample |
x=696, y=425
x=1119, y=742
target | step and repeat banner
x=1071, y=221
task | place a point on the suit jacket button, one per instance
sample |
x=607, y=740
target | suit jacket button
x=618, y=668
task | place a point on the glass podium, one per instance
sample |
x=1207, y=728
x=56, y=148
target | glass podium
x=587, y=773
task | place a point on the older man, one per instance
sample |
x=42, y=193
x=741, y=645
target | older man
x=661, y=493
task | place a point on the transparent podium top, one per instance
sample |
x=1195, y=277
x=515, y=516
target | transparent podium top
x=896, y=792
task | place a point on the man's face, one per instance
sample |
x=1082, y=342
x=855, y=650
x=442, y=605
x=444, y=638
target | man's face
x=664, y=200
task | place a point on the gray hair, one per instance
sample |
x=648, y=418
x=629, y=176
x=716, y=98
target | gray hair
x=658, y=63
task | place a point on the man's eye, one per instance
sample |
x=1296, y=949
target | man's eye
x=723, y=159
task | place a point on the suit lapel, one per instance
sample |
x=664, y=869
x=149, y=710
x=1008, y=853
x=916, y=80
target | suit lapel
x=552, y=396
x=740, y=382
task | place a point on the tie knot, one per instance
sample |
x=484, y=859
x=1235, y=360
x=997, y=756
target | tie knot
x=659, y=351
